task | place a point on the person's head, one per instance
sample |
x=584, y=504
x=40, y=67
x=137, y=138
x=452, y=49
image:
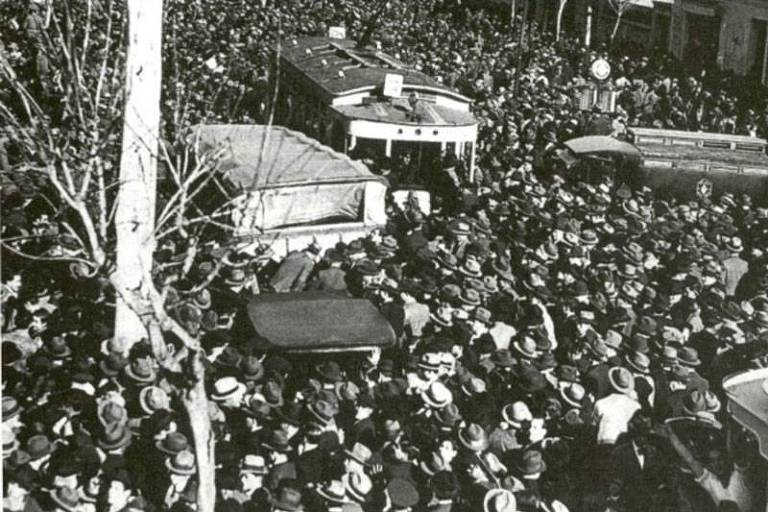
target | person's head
x=118, y=493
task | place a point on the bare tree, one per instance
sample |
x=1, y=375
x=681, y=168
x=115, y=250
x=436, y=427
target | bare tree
x=619, y=7
x=559, y=21
x=61, y=124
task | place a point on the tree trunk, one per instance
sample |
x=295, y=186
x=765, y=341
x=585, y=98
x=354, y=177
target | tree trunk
x=559, y=21
x=135, y=215
x=196, y=404
x=616, y=26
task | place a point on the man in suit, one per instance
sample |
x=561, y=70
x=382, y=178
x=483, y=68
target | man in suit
x=332, y=278
x=734, y=267
x=638, y=463
x=295, y=270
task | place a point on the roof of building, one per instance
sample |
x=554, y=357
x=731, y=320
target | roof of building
x=289, y=157
x=398, y=111
x=321, y=59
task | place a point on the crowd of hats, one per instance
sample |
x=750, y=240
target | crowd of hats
x=519, y=302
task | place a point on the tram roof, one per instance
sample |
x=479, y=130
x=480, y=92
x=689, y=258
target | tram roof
x=320, y=59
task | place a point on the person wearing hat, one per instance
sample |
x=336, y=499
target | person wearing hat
x=181, y=467
x=295, y=269
x=287, y=499
x=252, y=470
x=333, y=495
x=332, y=278
x=734, y=266
x=613, y=412
x=228, y=392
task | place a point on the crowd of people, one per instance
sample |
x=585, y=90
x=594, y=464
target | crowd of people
x=560, y=345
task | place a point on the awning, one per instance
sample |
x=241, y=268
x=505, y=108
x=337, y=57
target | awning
x=317, y=322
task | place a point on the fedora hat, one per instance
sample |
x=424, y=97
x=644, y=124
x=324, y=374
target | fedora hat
x=516, y=413
x=235, y=277
x=273, y=394
x=483, y=316
x=473, y=386
x=473, y=437
x=432, y=464
x=333, y=491
x=287, y=499
x=359, y=487
x=58, y=347
x=173, y=443
x=251, y=368
x=448, y=260
x=448, y=416
x=437, y=395
x=460, y=228
x=225, y=388
x=694, y=403
x=322, y=411
x=503, y=269
x=253, y=464
x=526, y=347
x=39, y=446
x=360, y=453
x=66, y=498
x=153, y=398
x=230, y=357
x=257, y=408
x=112, y=364
x=443, y=316
x=638, y=361
x=621, y=379
x=503, y=358
x=499, y=500
x=10, y=443
x=470, y=297
x=114, y=436
x=110, y=412
x=329, y=371
x=140, y=370
x=573, y=394
x=531, y=380
x=278, y=441
x=182, y=463
x=734, y=244
x=11, y=408
x=531, y=462
x=688, y=356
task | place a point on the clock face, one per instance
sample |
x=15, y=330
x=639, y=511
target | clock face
x=601, y=69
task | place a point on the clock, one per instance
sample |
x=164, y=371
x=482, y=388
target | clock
x=601, y=69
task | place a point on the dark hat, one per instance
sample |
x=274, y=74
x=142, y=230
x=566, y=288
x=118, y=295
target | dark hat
x=252, y=368
x=402, y=493
x=39, y=446
x=503, y=358
x=66, y=498
x=182, y=463
x=367, y=267
x=694, y=403
x=58, y=347
x=278, y=442
x=444, y=485
x=688, y=356
x=448, y=416
x=638, y=361
x=330, y=371
x=114, y=436
x=531, y=462
x=647, y=326
x=290, y=412
x=112, y=364
x=322, y=411
x=230, y=357
x=288, y=499
x=173, y=443
x=258, y=409
x=531, y=380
